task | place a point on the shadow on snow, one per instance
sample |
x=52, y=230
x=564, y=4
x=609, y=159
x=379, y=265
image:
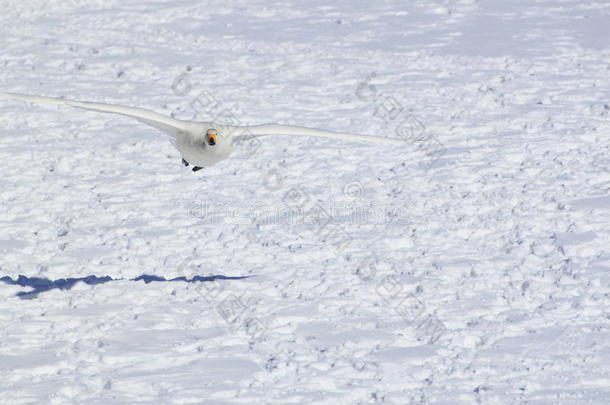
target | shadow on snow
x=40, y=284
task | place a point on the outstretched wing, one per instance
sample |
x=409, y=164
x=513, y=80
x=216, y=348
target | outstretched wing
x=273, y=129
x=159, y=121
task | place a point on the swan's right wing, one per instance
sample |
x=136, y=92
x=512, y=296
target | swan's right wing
x=159, y=121
x=275, y=129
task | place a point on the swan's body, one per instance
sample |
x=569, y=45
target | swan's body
x=194, y=139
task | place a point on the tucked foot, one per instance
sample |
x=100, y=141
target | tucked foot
x=184, y=162
x=196, y=168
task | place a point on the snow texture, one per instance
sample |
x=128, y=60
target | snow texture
x=468, y=265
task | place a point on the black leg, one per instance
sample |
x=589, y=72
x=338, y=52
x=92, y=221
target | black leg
x=185, y=162
x=196, y=168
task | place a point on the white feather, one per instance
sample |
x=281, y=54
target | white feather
x=190, y=137
x=159, y=121
x=275, y=129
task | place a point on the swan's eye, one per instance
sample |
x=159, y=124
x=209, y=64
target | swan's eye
x=210, y=137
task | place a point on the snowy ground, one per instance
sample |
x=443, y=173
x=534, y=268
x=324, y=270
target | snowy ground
x=469, y=266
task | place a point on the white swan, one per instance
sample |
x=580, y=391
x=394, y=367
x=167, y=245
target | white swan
x=201, y=144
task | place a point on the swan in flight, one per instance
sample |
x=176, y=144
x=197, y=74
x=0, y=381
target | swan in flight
x=201, y=144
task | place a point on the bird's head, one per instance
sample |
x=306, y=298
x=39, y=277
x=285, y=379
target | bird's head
x=211, y=137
